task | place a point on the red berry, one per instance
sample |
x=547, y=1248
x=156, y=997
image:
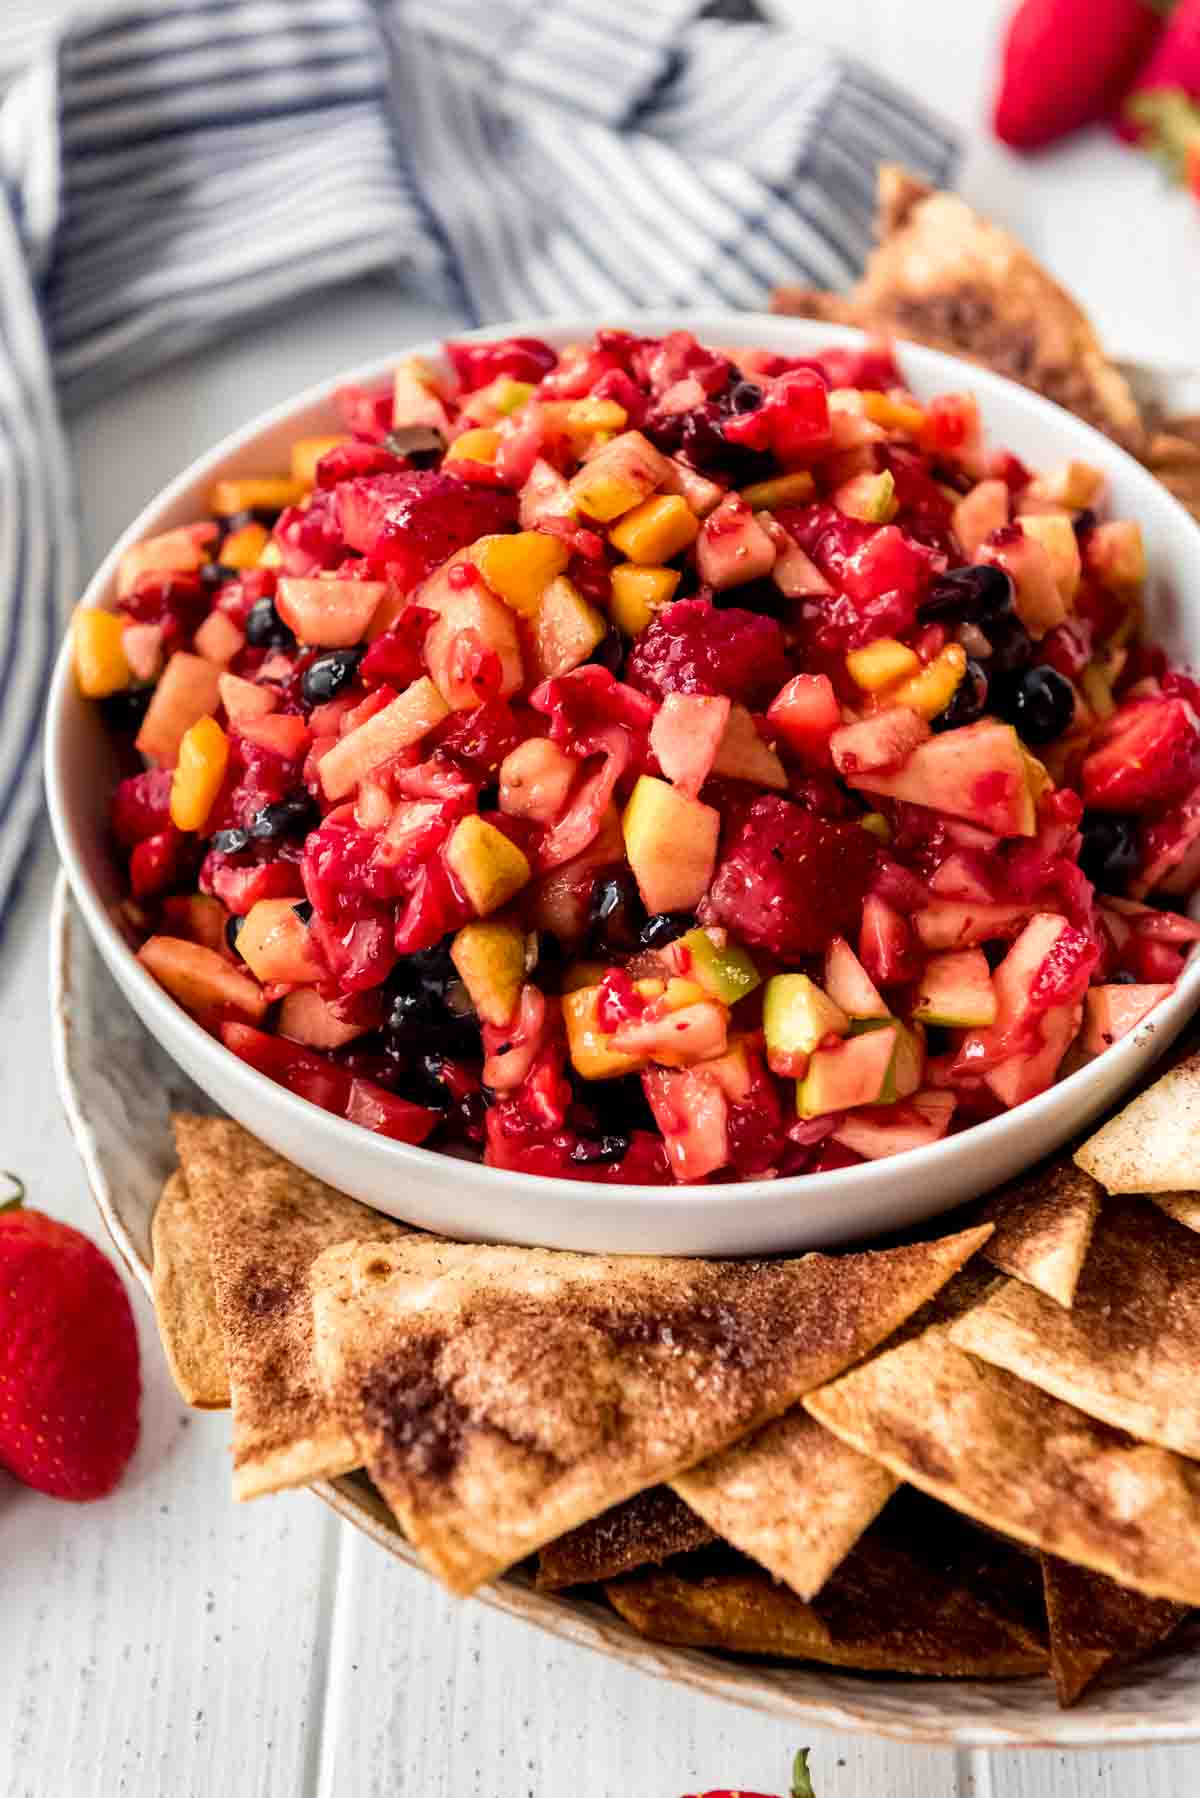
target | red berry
x=411, y=522
x=1146, y=755
x=70, y=1389
x=141, y=806
x=522, y=358
x=790, y=882
x=696, y=647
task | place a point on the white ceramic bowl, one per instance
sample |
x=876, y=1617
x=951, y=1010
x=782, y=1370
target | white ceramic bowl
x=461, y=1199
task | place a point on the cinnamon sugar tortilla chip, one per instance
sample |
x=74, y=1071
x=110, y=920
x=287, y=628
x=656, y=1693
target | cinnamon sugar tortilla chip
x=1184, y=1207
x=792, y=1497
x=185, y=1302
x=1153, y=1145
x=1044, y=1223
x=1097, y=1626
x=501, y=1396
x=266, y=1222
x=1007, y=1454
x=891, y=1607
x=646, y=1530
x=1127, y=1352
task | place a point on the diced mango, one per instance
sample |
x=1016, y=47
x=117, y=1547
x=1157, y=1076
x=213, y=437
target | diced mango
x=656, y=530
x=585, y=419
x=487, y=865
x=881, y=664
x=203, y=758
x=893, y=412
x=618, y=477
x=101, y=665
x=256, y=493
x=782, y=490
x=587, y=1044
x=521, y=566
x=637, y=593
x=490, y=959
x=671, y=843
x=931, y=691
x=242, y=548
x=1056, y=533
x=187, y=691
x=272, y=556
x=307, y=452
x=480, y=445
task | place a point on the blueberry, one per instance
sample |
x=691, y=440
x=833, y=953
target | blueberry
x=288, y=817
x=745, y=397
x=589, y=1151
x=1124, y=978
x=265, y=629
x=233, y=926
x=761, y=596
x=1111, y=851
x=1010, y=641
x=489, y=798
x=616, y=914
x=610, y=651
x=665, y=926
x=123, y=712
x=422, y=1017
x=698, y=437
x=264, y=515
x=230, y=842
x=1040, y=702
x=303, y=910
x=978, y=593
x=1085, y=523
x=215, y=574
x=329, y=674
x=968, y=702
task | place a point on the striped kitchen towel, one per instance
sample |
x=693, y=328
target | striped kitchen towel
x=168, y=170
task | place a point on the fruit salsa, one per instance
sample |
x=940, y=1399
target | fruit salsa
x=644, y=762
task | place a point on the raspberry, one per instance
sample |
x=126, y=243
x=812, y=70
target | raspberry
x=790, y=882
x=694, y=647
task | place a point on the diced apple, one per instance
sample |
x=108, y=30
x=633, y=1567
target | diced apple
x=217, y=640
x=414, y=400
x=743, y=755
x=869, y=497
x=489, y=868
x=470, y=624
x=686, y=735
x=304, y=1017
x=1115, y=555
x=143, y=646
x=885, y=740
x=692, y=1112
x=794, y=573
x=201, y=979
x=955, y=990
x=924, y=1119
x=671, y=844
x=701, y=494
x=853, y=1071
x=733, y=547
x=328, y=614
x=722, y=969
x=849, y=985
x=976, y=772
x=245, y=700
x=618, y=477
x=1071, y=484
x=1024, y=559
x=535, y=779
x=566, y=629
x=1026, y=1072
x=950, y=924
x=590, y=1049
x=180, y=551
x=186, y=692
x=406, y=720
x=795, y=489
x=1056, y=534
x=1111, y=1012
x=797, y=1018
x=980, y=512
x=274, y=944
x=1023, y=1077
x=676, y=1039
x=490, y=958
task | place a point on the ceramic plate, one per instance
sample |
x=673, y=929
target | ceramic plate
x=119, y=1089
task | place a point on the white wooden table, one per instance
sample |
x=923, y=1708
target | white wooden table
x=166, y=1645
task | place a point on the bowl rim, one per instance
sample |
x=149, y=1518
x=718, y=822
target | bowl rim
x=723, y=329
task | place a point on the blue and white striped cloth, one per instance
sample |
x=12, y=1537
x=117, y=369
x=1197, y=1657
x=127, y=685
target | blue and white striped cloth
x=170, y=169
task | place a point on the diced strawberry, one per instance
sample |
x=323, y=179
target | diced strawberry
x=805, y=713
x=1148, y=754
x=885, y=944
x=367, y=411
x=377, y=1109
x=310, y=537
x=159, y=862
x=141, y=806
x=478, y=364
x=410, y=523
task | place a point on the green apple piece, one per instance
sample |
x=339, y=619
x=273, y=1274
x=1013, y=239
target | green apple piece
x=956, y=991
x=850, y=986
x=854, y=1071
x=671, y=844
x=797, y=1017
x=727, y=973
x=907, y=1066
x=490, y=957
x=977, y=772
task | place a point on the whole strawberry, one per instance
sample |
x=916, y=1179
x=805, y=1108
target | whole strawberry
x=70, y=1390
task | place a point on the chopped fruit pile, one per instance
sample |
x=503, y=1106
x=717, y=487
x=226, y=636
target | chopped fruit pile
x=650, y=763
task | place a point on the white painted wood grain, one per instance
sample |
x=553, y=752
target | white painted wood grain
x=165, y=1645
